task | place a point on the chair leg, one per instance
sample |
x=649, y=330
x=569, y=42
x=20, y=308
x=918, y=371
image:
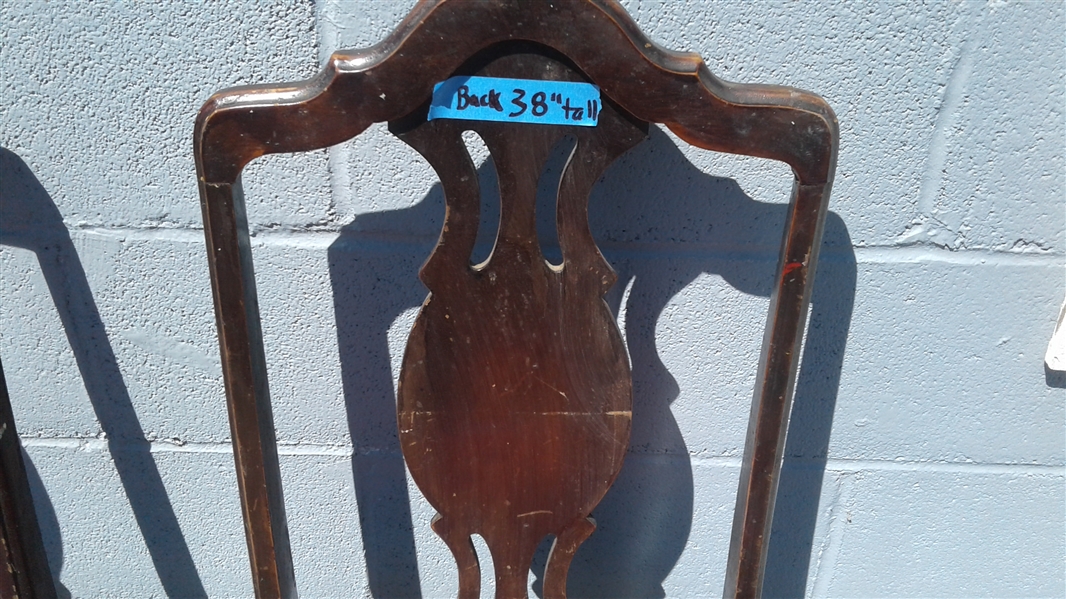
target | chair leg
x=562, y=553
x=465, y=556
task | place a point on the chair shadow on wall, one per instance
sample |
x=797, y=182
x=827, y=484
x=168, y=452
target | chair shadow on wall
x=30, y=220
x=699, y=224
x=48, y=523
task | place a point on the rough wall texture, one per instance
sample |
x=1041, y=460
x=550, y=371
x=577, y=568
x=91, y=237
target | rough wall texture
x=926, y=454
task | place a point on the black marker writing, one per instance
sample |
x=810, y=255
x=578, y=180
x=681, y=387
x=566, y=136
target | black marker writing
x=463, y=99
x=517, y=101
x=540, y=108
x=530, y=101
x=574, y=113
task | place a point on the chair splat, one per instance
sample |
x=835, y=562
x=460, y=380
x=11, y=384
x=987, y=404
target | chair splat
x=515, y=397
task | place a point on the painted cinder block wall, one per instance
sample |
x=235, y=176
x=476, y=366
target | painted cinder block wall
x=926, y=454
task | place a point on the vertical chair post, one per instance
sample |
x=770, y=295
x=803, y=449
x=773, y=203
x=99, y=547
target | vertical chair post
x=772, y=403
x=247, y=395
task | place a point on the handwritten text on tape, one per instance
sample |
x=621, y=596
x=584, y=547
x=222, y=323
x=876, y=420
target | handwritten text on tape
x=516, y=101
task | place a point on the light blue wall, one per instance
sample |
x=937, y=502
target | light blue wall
x=926, y=454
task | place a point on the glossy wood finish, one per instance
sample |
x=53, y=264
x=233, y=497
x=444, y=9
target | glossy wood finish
x=594, y=41
x=24, y=570
x=515, y=397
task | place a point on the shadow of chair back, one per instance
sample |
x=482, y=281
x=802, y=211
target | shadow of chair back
x=515, y=398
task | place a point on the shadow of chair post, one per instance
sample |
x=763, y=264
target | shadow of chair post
x=814, y=404
x=29, y=219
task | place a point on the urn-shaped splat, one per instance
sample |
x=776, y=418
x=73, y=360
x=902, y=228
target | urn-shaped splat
x=515, y=395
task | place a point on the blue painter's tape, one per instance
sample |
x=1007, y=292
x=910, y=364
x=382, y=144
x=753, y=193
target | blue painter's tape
x=516, y=101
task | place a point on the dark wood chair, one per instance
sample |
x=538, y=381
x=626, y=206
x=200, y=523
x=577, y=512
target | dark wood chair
x=514, y=403
x=24, y=569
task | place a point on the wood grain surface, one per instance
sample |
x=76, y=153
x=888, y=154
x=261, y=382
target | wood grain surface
x=541, y=335
x=515, y=398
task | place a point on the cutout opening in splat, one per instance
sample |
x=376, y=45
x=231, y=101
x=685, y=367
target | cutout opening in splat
x=538, y=565
x=489, y=218
x=548, y=197
x=488, y=570
x=546, y=203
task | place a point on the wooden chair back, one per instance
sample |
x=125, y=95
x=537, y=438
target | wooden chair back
x=515, y=398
